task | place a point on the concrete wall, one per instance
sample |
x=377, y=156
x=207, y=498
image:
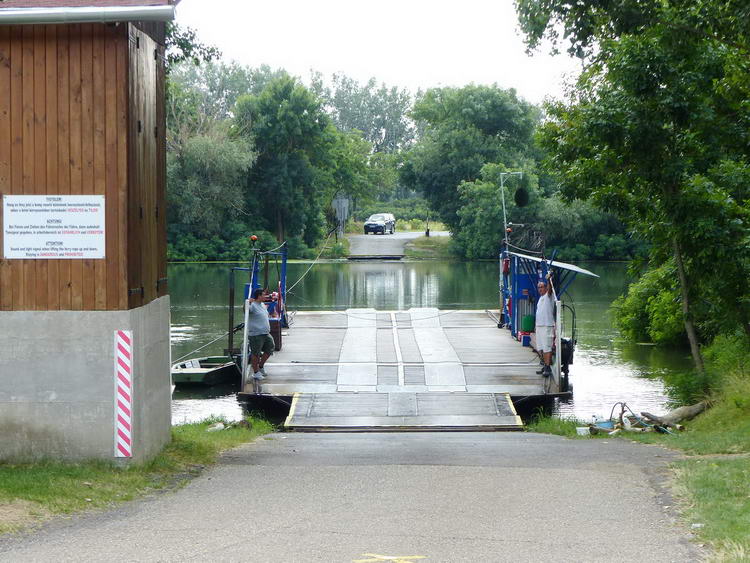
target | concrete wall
x=57, y=382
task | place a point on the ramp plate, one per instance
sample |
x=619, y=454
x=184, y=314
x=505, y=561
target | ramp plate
x=341, y=412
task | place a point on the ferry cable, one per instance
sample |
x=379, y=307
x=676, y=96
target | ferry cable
x=325, y=245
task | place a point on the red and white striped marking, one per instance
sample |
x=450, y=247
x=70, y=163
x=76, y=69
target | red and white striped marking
x=123, y=393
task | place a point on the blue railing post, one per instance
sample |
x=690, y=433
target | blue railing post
x=284, y=254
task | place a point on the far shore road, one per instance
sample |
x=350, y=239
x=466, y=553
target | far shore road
x=385, y=245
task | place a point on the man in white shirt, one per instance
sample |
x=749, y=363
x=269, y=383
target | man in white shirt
x=545, y=323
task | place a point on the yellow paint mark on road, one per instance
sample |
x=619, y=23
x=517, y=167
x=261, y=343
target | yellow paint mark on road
x=374, y=558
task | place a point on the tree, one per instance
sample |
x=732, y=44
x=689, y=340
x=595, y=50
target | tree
x=465, y=128
x=292, y=137
x=182, y=44
x=205, y=180
x=589, y=23
x=219, y=85
x=481, y=216
x=641, y=135
x=378, y=111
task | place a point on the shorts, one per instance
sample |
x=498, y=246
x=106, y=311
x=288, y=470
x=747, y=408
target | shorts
x=544, y=338
x=261, y=343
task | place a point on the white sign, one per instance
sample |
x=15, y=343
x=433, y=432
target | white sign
x=46, y=227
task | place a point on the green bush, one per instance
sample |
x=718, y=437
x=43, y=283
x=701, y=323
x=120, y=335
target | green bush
x=688, y=387
x=337, y=250
x=728, y=353
x=231, y=248
x=650, y=311
x=298, y=249
x=665, y=318
x=576, y=253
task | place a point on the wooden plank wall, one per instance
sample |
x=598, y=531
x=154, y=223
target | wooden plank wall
x=162, y=287
x=147, y=171
x=63, y=130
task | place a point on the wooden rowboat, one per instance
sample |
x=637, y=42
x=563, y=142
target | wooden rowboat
x=212, y=370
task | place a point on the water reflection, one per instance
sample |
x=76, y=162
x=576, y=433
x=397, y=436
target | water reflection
x=396, y=285
x=606, y=370
x=195, y=403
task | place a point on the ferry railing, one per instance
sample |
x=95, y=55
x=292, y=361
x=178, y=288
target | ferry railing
x=230, y=341
x=558, y=344
x=244, y=355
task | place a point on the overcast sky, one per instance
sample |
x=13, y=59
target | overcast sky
x=406, y=43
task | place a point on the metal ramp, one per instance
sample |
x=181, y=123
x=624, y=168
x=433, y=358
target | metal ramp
x=401, y=411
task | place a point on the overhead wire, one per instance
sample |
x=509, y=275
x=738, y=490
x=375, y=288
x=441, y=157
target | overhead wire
x=526, y=249
x=442, y=314
x=273, y=249
x=323, y=248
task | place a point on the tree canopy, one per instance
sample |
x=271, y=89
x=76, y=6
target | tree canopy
x=379, y=112
x=291, y=149
x=656, y=133
x=464, y=129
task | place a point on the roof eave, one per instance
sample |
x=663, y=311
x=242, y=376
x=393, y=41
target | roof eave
x=29, y=16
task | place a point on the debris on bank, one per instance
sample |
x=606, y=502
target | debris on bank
x=629, y=421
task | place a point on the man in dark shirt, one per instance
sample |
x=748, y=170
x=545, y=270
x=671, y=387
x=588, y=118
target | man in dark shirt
x=259, y=333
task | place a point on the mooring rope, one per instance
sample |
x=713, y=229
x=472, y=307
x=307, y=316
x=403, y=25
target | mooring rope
x=235, y=329
x=272, y=250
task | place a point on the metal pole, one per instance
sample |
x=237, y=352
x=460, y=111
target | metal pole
x=230, y=343
x=284, y=252
x=255, y=272
x=505, y=219
x=502, y=195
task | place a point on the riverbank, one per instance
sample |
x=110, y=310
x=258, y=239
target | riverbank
x=712, y=481
x=31, y=493
x=429, y=248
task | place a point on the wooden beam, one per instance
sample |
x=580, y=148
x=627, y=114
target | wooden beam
x=6, y=290
x=64, y=160
x=51, y=90
x=76, y=151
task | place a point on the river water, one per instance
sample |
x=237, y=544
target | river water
x=605, y=370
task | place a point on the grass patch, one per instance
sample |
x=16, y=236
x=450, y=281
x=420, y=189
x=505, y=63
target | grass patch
x=335, y=249
x=31, y=492
x=429, y=248
x=553, y=425
x=546, y=424
x=716, y=493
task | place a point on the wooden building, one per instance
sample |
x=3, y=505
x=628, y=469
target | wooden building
x=82, y=112
x=82, y=87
